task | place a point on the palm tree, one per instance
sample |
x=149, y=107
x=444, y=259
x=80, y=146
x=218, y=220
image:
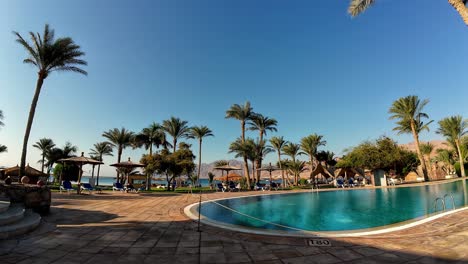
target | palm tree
x=199, y=133
x=119, y=139
x=292, y=150
x=100, y=150
x=426, y=150
x=296, y=168
x=278, y=144
x=358, y=6
x=176, y=128
x=1, y=118
x=243, y=113
x=309, y=146
x=48, y=55
x=67, y=151
x=151, y=136
x=44, y=145
x=261, y=149
x=454, y=128
x=3, y=148
x=447, y=157
x=242, y=149
x=408, y=111
x=262, y=124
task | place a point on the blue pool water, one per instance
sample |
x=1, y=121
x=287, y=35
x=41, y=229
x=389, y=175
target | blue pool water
x=335, y=210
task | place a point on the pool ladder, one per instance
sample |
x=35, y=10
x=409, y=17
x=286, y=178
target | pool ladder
x=443, y=202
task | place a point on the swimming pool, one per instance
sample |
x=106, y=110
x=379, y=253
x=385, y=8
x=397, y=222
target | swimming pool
x=332, y=211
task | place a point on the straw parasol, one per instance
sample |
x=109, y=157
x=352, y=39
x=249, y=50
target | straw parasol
x=227, y=168
x=128, y=165
x=270, y=169
x=231, y=176
x=80, y=161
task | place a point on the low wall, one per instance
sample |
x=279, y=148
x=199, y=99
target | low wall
x=32, y=196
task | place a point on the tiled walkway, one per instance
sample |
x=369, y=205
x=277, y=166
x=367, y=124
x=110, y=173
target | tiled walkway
x=152, y=228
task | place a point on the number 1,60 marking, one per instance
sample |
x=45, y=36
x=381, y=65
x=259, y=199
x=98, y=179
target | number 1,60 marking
x=319, y=242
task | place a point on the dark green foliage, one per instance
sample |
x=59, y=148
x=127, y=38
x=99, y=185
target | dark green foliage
x=383, y=153
x=169, y=164
x=457, y=168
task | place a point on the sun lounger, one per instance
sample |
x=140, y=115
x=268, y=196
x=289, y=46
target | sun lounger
x=232, y=187
x=220, y=187
x=259, y=187
x=339, y=183
x=118, y=187
x=86, y=187
x=274, y=185
x=67, y=186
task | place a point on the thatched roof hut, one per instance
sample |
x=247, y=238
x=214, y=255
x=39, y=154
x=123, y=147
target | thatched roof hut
x=348, y=172
x=29, y=171
x=321, y=171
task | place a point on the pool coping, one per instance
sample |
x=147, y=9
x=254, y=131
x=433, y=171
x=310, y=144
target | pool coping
x=192, y=212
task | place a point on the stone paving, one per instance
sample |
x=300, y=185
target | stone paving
x=152, y=228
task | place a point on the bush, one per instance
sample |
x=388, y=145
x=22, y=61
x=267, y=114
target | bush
x=303, y=181
x=457, y=168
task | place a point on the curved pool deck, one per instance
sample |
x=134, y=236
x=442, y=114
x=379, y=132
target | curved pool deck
x=192, y=212
x=152, y=228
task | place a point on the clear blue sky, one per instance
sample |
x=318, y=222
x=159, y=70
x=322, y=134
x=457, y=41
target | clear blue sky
x=305, y=63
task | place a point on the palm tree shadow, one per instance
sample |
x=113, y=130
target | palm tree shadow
x=67, y=216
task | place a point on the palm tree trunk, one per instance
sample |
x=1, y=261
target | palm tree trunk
x=151, y=149
x=247, y=175
x=92, y=174
x=199, y=161
x=119, y=156
x=32, y=111
x=260, y=159
x=43, y=160
x=281, y=169
x=175, y=145
x=418, y=151
x=460, y=158
x=97, y=176
x=243, y=130
x=461, y=9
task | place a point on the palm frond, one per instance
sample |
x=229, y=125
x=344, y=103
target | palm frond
x=356, y=7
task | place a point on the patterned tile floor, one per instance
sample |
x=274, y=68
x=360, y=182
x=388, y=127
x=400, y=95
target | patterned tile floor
x=152, y=228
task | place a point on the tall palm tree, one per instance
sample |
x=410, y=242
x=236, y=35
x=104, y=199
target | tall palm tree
x=358, y=6
x=48, y=55
x=3, y=148
x=119, y=139
x=278, y=144
x=151, y=136
x=242, y=149
x=100, y=150
x=199, y=133
x=292, y=150
x=309, y=145
x=262, y=124
x=261, y=150
x=408, y=111
x=44, y=145
x=67, y=151
x=426, y=150
x=454, y=128
x=176, y=128
x=243, y=113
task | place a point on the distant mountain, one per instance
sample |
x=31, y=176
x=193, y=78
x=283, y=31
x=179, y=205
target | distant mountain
x=438, y=144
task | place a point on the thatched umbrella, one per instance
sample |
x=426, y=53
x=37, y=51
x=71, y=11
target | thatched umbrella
x=80, y=161
x=28, y=171
x=270, y=169
x=227, y=168
x=127, y=165
x=231, y=176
